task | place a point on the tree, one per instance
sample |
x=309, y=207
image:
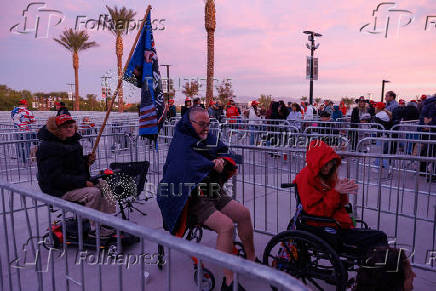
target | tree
x=190, y=89
x=92, y=102
x=225, y=91
x=317, y=100
x=265, y=100
x=303, y=98
x=119, y=25
x=210, y=24
x=347, y=101
x=75, y=41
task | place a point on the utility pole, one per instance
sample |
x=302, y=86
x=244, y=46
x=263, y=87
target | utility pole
x=71, y=90
x=168, y=79
x=105, y=86
x=312, y=47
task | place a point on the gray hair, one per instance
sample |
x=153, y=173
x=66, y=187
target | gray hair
x=196, y=110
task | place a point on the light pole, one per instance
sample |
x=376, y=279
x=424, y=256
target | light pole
x=168, y=80
x=312, y=47
x=383, y=89
x=105, y=87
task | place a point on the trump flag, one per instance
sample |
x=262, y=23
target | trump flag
x=143, y=72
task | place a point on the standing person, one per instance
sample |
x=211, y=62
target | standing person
x=283, y=110
x=215, y=110
x=336, y=113
x=232, y=112
x=62, y=109
x=356, y=114
x=428, y=117
x=295, y=116
x=382, y=117
x=197, y=102
x=188, y=104
x=253, y=116
x=22, y=119
x=329, y=107
x=391, y=103
x=197, y=157
x=421, y=102
x=172, y=110
x=343, y=108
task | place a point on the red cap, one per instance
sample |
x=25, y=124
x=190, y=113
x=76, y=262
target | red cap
x=22, y=102
x=414, y=101
x=211, y=103
x=402, y=102
x=255, y=102
x=171, y=101
x=57, y=104
x=423, y=97
x=188, y=99
x=372, y=102
x=63, y=118
x=380, y=105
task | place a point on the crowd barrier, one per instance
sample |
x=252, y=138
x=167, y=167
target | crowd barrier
x=396, y=199
x=25, y=264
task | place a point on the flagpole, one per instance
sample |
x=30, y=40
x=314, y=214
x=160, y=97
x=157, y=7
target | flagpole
x=120, y=81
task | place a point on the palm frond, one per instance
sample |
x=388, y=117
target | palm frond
x=75, y=41
x=120, y=18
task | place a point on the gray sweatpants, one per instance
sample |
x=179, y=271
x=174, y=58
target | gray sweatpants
x=91, y=197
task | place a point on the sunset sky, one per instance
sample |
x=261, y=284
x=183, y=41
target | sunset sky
x=258, y=44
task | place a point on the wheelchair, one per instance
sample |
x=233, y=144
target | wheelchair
x=125, y=181
x=194, y=232
x=311, y=253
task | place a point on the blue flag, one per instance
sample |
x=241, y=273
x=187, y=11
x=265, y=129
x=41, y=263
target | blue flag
x=143, y=72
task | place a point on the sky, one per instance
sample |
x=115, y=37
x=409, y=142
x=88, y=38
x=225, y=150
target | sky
x=259, y=45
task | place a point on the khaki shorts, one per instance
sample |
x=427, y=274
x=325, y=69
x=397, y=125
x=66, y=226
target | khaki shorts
x=200, y=208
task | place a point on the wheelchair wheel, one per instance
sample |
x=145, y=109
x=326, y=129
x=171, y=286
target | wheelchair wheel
x=50, y=242
x=306, y=257
x=208, y=280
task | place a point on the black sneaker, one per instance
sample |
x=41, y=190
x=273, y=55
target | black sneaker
x=224, y=286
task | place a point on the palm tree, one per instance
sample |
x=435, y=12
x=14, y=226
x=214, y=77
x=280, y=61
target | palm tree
x=119, y=25
x=210, y=24
x=317, y=100
x=75, y=41
x=303, y=98
x=265, y=100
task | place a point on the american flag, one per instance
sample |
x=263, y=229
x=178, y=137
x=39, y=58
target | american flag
x=143, y=72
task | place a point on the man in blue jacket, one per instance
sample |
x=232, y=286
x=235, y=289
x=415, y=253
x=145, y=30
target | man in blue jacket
x=428, y=117
x=191, y=191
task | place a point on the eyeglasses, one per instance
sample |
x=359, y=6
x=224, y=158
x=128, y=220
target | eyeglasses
x=201, y=124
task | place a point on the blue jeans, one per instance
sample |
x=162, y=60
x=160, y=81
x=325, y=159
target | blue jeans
x=23, y=148
x=385, y=162
x=253, y=134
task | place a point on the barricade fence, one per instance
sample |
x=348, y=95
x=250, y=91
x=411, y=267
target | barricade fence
x=26, y=263
x=395, y=199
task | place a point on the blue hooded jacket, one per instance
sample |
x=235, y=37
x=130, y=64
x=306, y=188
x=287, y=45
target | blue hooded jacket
x=428, y=110
x=189, y=160
x=336, y=113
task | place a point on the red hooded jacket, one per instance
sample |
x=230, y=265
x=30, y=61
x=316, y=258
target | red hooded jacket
x=317, y=199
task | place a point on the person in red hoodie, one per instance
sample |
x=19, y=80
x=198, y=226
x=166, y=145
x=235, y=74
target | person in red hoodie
x=323, y=194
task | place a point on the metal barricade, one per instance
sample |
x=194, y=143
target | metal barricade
x=26, y=265
x=396, y=200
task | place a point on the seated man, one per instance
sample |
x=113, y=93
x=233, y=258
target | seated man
x=63, y=171
x=196, y=162
x=322, y=193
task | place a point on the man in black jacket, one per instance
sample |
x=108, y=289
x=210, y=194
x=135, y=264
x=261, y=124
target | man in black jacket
x=63, y=171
